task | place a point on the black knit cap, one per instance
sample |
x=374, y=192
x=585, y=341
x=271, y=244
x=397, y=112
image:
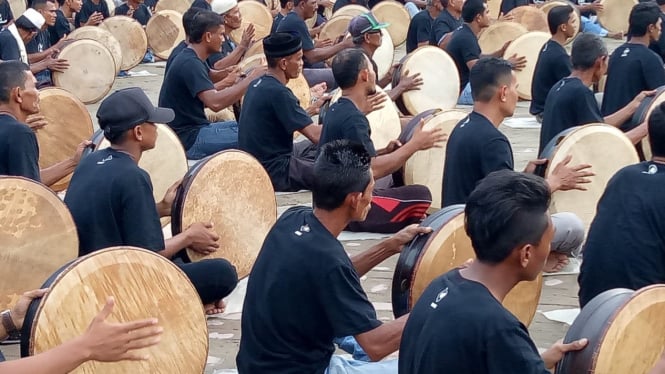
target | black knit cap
x=281, y=44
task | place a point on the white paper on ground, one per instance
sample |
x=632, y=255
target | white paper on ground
x=573, y=267
x=388, y=307
x=553, y=282
x=521, y=123
x=235, y=300
x=566, y=316
x=141, y=73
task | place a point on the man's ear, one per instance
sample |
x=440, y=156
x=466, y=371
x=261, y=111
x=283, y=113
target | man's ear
x=526, y=253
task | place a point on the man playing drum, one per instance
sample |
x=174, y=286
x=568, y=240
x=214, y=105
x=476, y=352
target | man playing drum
x=553, y=60
x=625, y=247
x=420, y=27
x=231, y=53
x=393, y=207
x=658, y=46
x=187, y=89
x=19, y=151
x=316, y=284
x=449, y=20
x=286, y=6
x=95, y=9
x=40, y=49
x=465, y=50
x=571, y=103
x=633, y=67
x=459, y=325
x=271, y=114
x=65, y=17
x=112, y=204
x=476, y=148
x=136, y=9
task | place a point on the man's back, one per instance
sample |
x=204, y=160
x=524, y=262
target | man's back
x=553, y=65
x=19, y=151
x=463, y=47
x=345, y=121
x=419, y=30
x=443, y=24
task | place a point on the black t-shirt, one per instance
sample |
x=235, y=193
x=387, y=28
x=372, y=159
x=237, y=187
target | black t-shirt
x=292, y=23
x=344, y=121
x=61, y=28
x=588, y=13
x=112, y=204
x=19, y=151
x=88, y=9
x=570, y=103
x=659, y=45
x=142, y=14
x=457, y=326
x=228, y=46
x=275, y=22
x=186, y=78
x=303, y=292
x=201, y=4
x=475, y=149
x=625, y=247
x=176, y=51
x=463, y=47
x=270, y=114
x=6, y=14
x=553, y=65
x=341, y=3
x=508, y=5
x=443, y=24
x=40, y=43
x=9, y=49
x=419, y=31
x=633, y=68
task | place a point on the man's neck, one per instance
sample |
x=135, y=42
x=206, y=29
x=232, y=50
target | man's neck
x=284, y=12
x=369, y=49
x=475, y=27
x=333, y=220
x=644, y=40
x=200, y=50
x=67, y=11
x=560, y=38
x=357, y=95
x=433, y=11
x=454, y=13
x=14, y=111
x=586, y=76
x=498, y=279
x=279, y=74
x=491, y=111
x=133, y=150
x=300, y=13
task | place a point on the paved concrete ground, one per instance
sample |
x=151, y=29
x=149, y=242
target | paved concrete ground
x=559, y=292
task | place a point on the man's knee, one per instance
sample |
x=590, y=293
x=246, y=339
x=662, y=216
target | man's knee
x=213, y=279
x=569, y=233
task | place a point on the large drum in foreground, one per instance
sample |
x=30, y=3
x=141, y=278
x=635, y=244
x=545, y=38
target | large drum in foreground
x=498, y=34
x=258, y=15
x=396, y=16
x=232, y=190
x=614, y=16
x=643, y=113
x=69, y=124
x=527, y=45
x=624, y=328
x=144, y=285
x=104, y=37
x=91, y=71
x=440, y=89
x=447, y=247
x=131, y=37
x=164, y=31
x=605, y=148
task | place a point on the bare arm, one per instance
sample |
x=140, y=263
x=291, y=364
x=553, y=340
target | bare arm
x=383, y=340
x=321, y=54
x=443, y=43
x=312, y=132
x=231, y=59
x=52, y=174
x=220, y=99
x=367, y=260
x=389, y=163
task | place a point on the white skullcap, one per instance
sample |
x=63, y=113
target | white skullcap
x=34, y=17
x=223, y=6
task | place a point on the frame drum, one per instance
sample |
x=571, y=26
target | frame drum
x=396, y=16
x=448, y=247
x=605, y=148
x=498, y=34
x=17, y=7
x=232, y=190
x=623, y=327
x=614, y=16
x=88, y=85
x=384, y=55
x=578, y=22
x=254, y=49
x=527, y=45
x=257, y=14
x=69, y=123
x=643, y=113
x=298, y=85
x=131, y=37
x=530, y=17
x=180, y=6
x=104, y=37
x=37, y=236
x=335, y=28
x=440, y=89
x=144, y=285
x=351, y=10
x=164, y=31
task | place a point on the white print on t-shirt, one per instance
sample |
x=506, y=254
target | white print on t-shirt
x=439, y=297
x=257, y=83
x=465, y=122
x=653, y=169
x=625, y=52
x=104, y=160
x=303, y=228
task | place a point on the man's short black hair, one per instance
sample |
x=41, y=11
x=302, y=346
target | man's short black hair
x=187, y=18
x=472, y=8
x=346, y=67
x=641, y=16
x=12, y=75
x=283, y=3
x=558, y=15
x=203, y=22
x=657, y=131
x=342, y=167
x=38, y=4
x=487, y=75
x=587, y=48
x=505, y=211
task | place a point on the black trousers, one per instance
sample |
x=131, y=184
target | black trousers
x=213, y=279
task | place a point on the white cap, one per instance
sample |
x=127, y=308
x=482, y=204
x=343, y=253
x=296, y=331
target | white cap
x=223, y=6
x=34, y=17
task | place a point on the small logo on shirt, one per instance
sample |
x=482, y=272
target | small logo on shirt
x=439, y=297
x=625, y=52
x=104, y=160
x=303, y=228
x=653, y=169
x=257, y=83
x=465, y=122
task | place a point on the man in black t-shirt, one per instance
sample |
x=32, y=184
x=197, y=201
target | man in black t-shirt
x=625, y=247
x=553, y=60
x=476, y=148
x=39, y=48
x=6, y=14
x=465, y=50
x=571, y=102
x=316, y=282
x=65, y=13
x=449, y=20
x=92, y=8
x=458, y=325
x=136, y=9
x=633, y=67
x=420, y=27
x=658, y=46
x=112, y=204
x=286, y=8
x=231, y=53
x=393, y=207
x=187, y=89
x=508, y=5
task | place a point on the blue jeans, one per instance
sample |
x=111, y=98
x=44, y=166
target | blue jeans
x=44, y=78
x=465, y=98
x=350, y=345
x=340, y=365
x=215, y=137
x=591, y=26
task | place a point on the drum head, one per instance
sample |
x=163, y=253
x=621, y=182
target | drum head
x=440, y=87
x=532, y=18
x=351, y=10
x=180, y=6
x=18, y=7
x=131, y=37
x=104, y=37
x=69, y=123
x=300, y=88
x=255, y=49
x=144, y=285
x=495, y=36
x=257, y=14
x=605, y=148
x=643, y=113
x=578, y=21
x=241, y=217
x=614, y=16
x=88, y=85
x=311, y=22
x=527, y=45
x=495, y=8
x=384, y=55
x=395, y=15
x=164, y=31
x=335, y=28
x=38, y=236
x=426, y=167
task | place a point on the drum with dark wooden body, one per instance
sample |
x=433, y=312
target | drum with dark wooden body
x=448, y=247
x=144, y=285
x=133, y=41
x=642, y=114
x=624, y=332
x=164, y=32
x=232, y=190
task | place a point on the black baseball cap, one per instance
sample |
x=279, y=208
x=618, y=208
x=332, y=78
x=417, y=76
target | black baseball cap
x=365, y=23
x=127, y=108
